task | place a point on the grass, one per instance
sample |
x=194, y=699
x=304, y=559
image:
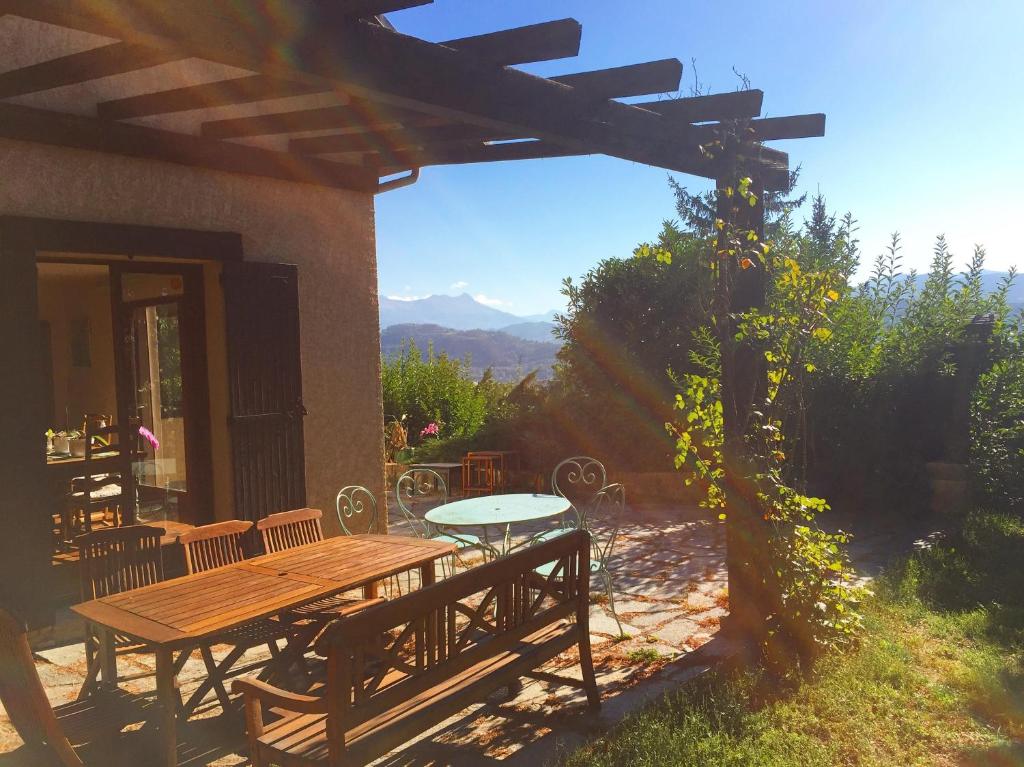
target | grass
x=937, y=679
x=643, y=655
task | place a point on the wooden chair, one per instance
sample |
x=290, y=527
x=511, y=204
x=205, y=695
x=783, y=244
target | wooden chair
x=479, y=474
x=110, y=562
x=101, y=492
x=209, y=547
x=49, y=734
x=442, y=652
x=288, y=529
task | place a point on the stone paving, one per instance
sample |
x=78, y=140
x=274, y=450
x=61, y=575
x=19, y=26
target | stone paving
x=669, y=593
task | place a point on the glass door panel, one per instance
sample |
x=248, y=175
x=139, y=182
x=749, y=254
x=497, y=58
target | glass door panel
x=158, y=404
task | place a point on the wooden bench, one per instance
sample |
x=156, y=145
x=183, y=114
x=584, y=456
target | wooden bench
x=444, y=647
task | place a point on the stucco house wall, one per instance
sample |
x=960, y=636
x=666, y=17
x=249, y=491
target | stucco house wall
x=327, y=233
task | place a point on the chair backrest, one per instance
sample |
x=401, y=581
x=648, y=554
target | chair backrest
x=604, y=520
x=480, y=473
x=579, y=480
x=355, y=501
x=419, y=486
x=385, y=655
x=23, y=696
x=288, y=529
x=214, y=545
x=119, y=559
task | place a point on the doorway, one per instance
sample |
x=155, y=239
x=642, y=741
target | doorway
x=126, y=339
x=159, y=332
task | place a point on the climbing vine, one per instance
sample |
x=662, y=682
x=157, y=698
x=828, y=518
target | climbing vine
x=805, y=571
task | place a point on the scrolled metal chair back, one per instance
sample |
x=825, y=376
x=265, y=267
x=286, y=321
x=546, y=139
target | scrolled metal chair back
x=419, y=486
x=606, y=515
x=579, y=480
x=356, y=501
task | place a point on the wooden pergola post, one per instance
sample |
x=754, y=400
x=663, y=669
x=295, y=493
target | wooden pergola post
x=743, y=384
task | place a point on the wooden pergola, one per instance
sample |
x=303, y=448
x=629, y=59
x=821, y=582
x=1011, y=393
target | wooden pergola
x=327, y=92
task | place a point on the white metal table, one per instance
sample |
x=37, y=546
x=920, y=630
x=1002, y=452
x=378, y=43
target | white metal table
x=498, y=510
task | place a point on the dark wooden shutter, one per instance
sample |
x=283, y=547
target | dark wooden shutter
x=28, y=497
x=265, y=379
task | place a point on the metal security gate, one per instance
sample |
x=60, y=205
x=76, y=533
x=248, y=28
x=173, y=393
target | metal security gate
x=265, y=387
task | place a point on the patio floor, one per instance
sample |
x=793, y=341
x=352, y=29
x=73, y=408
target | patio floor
x=670, y=595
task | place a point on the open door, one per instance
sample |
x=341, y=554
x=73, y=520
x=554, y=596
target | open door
x=261, y=303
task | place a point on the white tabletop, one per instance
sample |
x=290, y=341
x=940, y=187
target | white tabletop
x=498, y=510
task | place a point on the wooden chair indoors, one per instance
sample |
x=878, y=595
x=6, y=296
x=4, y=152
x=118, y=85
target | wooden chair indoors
x=113, y=561
x=218, y=545
x=51, y=735
x=288, y=529
x=101, y=495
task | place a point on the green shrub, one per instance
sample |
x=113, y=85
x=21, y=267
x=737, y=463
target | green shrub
x=436, y=389
x=997, y=435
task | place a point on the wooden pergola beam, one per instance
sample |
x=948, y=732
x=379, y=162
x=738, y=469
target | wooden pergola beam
x=359, y=115
x=387, y=163
x=792, y=126
x=366, y=117
x=40, y=126
x=390, y=139
x=104, y=61
x=632, y=80
x=239, y=90
x=715, y=107
x=365, y=8
x=771, y=165
x=369, y=61
x=535, y=42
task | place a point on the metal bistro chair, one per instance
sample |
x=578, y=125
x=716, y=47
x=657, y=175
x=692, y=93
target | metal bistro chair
x=580, y=480
x=354, y=501
x=427, y=484
x=605, y=513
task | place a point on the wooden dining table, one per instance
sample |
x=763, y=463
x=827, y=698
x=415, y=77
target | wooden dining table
x=177, y=615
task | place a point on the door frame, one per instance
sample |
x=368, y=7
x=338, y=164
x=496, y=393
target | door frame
x=22, y=239
x=194, y=371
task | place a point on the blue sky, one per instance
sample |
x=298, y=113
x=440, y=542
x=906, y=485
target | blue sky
x=925, y=101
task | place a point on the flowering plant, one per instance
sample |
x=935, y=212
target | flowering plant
x=150, y=437
x=430, y=430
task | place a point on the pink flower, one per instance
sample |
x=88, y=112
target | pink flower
x=430, y=430
x=150, y=437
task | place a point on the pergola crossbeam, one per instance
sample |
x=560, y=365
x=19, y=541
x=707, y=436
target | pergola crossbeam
x=537, y=42
x=103, y=61
x=23, y=123
x=437, y=84
x=239, y=90
x=712, y=108
x=631, y=80
x=522, y=45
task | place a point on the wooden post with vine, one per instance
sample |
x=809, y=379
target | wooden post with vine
x=742, y=285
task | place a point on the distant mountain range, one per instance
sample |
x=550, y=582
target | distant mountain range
x=509, y=357
x=464, y=312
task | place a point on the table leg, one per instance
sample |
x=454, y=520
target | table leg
x=371, y=590
x=108, y=657
x=165, y=693
x=427, y=574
